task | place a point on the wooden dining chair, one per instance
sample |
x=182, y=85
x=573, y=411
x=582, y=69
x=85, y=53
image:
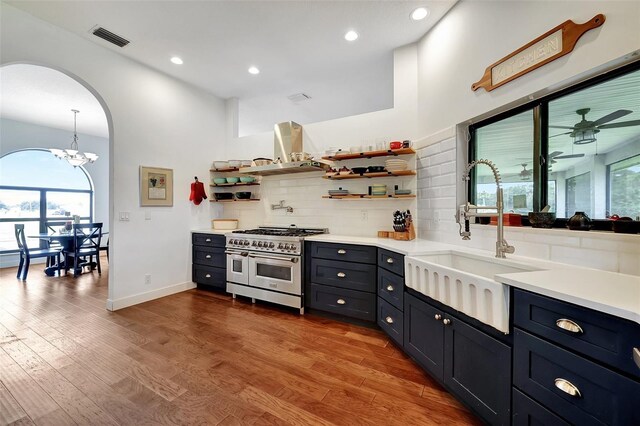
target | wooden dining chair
x=26, y=254
x=52, y=228
x=87, y=238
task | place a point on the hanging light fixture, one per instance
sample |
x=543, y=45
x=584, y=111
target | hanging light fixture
x=582, y=137
x=72, y=155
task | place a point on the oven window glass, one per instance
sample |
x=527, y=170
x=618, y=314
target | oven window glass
x=237, y=265
x=274, y=271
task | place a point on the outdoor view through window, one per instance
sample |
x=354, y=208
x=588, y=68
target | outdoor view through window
x=39, y=190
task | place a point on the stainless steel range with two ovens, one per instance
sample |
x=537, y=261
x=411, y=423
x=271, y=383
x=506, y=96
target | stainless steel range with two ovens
x=267, y=264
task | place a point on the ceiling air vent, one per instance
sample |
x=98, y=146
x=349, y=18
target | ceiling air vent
x=298, y=97
x=110, y=37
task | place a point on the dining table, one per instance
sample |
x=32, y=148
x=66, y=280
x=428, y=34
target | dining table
x=67, y=241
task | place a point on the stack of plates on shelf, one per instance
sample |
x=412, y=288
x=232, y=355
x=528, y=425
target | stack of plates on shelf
x=395, y=165
x=338, y=192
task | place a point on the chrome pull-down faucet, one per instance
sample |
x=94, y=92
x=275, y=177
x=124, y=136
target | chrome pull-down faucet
x=467, y=210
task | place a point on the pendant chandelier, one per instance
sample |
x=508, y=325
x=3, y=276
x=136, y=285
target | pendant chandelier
x=72, y=155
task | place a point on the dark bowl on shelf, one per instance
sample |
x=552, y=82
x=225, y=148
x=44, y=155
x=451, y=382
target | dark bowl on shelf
x=243, y=195
x=375, y=169
x=542, y=219
x=223, y=195
x=359, y=170
x=625, y=226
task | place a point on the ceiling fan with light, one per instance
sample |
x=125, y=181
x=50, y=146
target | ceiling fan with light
x=584, y=131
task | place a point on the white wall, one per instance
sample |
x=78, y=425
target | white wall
x=304, y=193
x=17, y=135
x=475, y=34
x=154, y=120
x=454, y=55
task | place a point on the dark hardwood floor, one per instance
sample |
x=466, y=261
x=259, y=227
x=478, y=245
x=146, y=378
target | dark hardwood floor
x=197, y=358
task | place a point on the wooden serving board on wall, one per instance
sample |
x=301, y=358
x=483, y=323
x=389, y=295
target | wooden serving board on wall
x=550, y=46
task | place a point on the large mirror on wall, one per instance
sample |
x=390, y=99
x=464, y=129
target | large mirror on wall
x=577, y=150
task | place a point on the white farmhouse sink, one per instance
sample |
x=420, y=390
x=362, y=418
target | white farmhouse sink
x=465, y=282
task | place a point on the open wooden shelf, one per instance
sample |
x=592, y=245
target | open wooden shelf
x=361, y=197
x=233, y=200
x=372, y=175
x=370, y=154
x=230, y=169
x=234, y=184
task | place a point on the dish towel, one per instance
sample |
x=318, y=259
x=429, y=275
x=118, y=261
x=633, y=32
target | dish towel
x=197, y=192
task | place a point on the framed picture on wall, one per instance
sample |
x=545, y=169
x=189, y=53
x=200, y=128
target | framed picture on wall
x=156, y=187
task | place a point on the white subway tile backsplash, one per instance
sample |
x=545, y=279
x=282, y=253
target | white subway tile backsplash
x=436, y=185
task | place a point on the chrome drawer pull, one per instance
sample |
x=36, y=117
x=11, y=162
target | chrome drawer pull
x=438, y=317
x=208, y=240
x=568, y=387
x=389, y=320
x=389, y=260
x=389, y=287
x=636, y=356
x=342, y=251
x=341, y=302
x=446, y=321
x=208, y=256
x=341, y=275
x=208, y=276
x=567, y=324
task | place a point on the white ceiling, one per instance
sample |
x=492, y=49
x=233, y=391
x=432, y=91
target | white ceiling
x=44, y=96
x=299, y=46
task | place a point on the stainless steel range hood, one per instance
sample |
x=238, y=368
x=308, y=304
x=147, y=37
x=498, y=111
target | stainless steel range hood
x=287, y=139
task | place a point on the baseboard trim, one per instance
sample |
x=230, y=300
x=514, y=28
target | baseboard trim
x=124, y=302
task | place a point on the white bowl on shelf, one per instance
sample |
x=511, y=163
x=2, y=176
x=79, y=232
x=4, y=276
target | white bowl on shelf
x=220, y=165
x=234, y=163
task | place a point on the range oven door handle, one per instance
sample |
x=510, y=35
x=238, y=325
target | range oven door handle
x=240, y=253
x=290, y=259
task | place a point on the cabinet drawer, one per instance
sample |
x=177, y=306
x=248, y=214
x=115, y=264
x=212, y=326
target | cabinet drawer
x=350, y=303
x=209, y=240
x=349, y=275
x=214, y=277
x=209, y=256
x=527, y=412
x=346, y=252
x=390, y=320
x=391, y=287
x=601, y=395
x=600, y=336
x=391, y=261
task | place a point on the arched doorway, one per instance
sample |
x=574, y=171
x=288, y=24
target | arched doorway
x=36, y=114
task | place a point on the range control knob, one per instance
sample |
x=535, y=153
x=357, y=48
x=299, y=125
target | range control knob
x=232, y=242
x=254, y=244
x=246, y=243
x=271, y=245
x=280, y=246
x=259, y=243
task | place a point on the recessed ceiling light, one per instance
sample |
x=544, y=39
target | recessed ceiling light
x=351, y=35
x=176, y=60
x=253, y=70
x=420, y=13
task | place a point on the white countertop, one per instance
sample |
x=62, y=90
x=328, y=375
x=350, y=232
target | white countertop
x=211, y=231
x=408, y=248
x=609, y=292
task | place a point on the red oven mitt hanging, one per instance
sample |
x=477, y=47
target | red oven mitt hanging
x=197, y=192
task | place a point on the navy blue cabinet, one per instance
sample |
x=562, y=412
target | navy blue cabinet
x=575, y=362
x=209, y=268
x=390, y=320
x=575, y=388
x=527, y=412
x=341, y=279
x=474, y=366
